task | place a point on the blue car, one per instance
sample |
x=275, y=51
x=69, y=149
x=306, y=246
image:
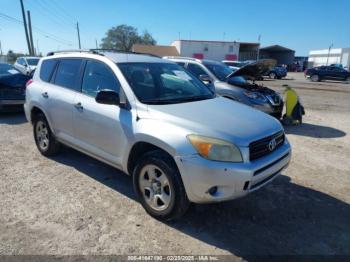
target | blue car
x=278, y=72
x=12, y=88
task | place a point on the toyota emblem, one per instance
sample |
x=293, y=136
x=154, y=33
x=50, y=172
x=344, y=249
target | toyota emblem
x=272, y=145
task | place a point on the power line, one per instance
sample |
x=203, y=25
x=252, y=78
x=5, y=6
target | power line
x=42, y=32
x=64, y=12
x=52, y=17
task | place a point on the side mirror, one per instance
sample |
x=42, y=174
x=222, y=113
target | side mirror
x=205, y=79
x=25, y=65
x=108, y=97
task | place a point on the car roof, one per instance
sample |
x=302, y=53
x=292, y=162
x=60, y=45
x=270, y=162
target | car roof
x=187, y=59
x=116, y=57
x=132, y=58
x=30, y=57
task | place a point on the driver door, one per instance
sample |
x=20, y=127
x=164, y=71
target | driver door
x=97, y=127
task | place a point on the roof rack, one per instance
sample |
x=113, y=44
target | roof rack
x=121, y=51
x=98, y=51
x=182, y=57
x=71, y=51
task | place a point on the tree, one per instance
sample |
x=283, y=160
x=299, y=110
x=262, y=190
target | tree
x=123, y=37
x=11, y=56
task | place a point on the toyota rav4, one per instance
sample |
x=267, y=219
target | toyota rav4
x=155, y=121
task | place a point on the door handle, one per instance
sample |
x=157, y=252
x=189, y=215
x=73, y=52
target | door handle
x=78, y=106
x=45, y=95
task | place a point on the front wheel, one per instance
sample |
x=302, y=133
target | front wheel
x=315, y=78
x=158, y=184
x=44, y=139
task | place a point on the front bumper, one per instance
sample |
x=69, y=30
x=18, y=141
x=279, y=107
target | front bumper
x=275, y=111
x=232, y=180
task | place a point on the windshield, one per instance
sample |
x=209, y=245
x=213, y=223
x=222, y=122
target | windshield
x=220, y=70
x=32, y=61
x=164, y=83
x=8, y=70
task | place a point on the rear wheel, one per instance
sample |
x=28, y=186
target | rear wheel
x=44, y=139
x=158, y=184
x=272, y=75
x=348, y=80
x=315, y=78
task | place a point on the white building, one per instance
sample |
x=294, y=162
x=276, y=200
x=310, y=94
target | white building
x=217, y=50
x=329, y=56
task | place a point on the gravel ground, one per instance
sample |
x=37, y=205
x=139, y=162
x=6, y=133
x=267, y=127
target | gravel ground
x=73, y=204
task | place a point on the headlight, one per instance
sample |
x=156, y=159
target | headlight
x=255, y=96
x=215, y=149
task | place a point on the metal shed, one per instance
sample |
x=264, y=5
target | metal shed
x=283, y=55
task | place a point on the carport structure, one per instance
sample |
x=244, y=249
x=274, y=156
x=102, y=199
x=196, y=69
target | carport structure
x=283, y=55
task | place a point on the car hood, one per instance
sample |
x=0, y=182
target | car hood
x=219, y=118
x=254, y=70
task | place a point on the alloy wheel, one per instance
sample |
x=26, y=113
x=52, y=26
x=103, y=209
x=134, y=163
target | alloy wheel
x=42, y=135
x=155, y=187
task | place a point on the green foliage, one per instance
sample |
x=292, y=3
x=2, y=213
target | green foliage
x=123, y=37
x=11, y=56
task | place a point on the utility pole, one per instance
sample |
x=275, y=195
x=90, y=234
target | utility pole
x=0, y=48
x=259, y=40
x=30, y=33
x=37, y=47
x=25, y=26
x=96, y=44
x=329, y=52
x=78, y=35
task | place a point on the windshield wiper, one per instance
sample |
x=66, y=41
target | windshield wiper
x=176, y=100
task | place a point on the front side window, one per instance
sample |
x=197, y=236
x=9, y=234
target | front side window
x=220, y=70
x=21, y=61
x=67, y=74
x=98, y=76
x=196, y=70
x=163, y=83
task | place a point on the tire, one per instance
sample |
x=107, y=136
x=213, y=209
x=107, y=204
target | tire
x=157, y=183
x=315, y=78
x=272, y=75
x=44, y=139
x=347, y=80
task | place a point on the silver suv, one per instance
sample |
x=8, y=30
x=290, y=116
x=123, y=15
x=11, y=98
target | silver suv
x=238, y=85
x=156, y=122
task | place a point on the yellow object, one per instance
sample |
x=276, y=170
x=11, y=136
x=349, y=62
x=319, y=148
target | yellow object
x=291, y=101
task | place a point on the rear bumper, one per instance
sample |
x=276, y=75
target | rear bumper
x=12, y=102
x=11, y=105
x=232, y=180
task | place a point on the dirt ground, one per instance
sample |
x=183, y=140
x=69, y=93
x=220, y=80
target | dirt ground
x=73, y=204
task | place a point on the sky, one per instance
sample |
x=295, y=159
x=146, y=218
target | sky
x=301, y=25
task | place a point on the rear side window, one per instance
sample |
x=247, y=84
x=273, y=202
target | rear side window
x=46, y=69
x=97, y=77
x=67, y=74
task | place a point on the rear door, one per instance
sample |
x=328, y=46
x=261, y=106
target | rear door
x=97, y=127
x=60, y=94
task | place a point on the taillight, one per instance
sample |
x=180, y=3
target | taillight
x=29, y=82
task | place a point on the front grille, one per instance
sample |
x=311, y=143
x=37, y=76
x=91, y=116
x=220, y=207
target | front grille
x=260, y=148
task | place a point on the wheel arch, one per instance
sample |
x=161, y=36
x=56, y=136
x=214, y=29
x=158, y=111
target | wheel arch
x=142, y=147
x=35, y=110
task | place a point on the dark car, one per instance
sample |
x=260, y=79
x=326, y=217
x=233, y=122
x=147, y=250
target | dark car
x=320, y=73
x=278, y=72
x=12, y=88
